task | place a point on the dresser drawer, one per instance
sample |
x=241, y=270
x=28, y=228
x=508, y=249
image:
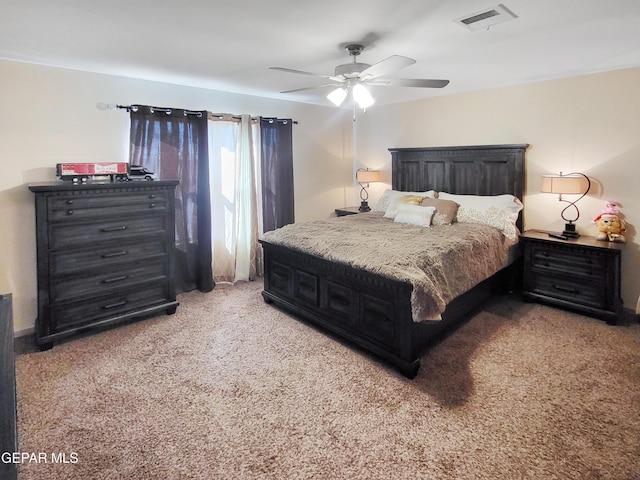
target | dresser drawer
x=100, y=282
x=96, y=206
x=87, y=234
x=556, y=258
x=74, y=314
x=108, y=255
x=570, y=289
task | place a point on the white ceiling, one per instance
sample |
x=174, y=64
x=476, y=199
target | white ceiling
x=228, y=45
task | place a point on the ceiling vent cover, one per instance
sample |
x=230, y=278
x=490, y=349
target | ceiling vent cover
x=486, y=18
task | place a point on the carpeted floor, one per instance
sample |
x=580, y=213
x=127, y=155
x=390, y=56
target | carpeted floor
x=231, y=388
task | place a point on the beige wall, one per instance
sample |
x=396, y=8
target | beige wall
x=50, y=116
x=589, y=124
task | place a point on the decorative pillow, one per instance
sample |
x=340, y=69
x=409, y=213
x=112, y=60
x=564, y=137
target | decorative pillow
x=389, y=195
x=445, y=210
x=499, y=218
x=402, y=200
x=415, y=215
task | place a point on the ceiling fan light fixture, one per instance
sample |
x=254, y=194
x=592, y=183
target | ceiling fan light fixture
x=362, y=96
x=337, y=96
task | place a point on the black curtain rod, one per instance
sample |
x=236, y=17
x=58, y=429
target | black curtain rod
x=134, y=108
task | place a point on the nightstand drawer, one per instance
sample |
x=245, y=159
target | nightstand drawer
x=569, y=289
x=559, y=259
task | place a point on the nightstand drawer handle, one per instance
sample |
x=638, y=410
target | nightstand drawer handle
x=566, y=289
x=114, y=305
x=69, y=212
x=115, y=279
x=113, y=229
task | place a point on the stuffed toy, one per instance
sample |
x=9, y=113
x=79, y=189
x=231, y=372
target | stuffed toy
x=610, y=225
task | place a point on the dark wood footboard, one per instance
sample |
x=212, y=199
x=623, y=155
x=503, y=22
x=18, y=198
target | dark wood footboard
x=365, y=309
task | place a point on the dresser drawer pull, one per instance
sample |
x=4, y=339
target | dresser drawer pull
x=115, y=279
x=113, y=229
x=566, y=289
x=114, y=305
x=152, y=205
x=114, y=254
x=152, y=196
x=69, y=202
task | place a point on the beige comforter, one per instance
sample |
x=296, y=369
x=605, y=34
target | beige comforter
x=440, y=262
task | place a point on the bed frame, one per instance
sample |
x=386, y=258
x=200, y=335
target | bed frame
x=374, y=312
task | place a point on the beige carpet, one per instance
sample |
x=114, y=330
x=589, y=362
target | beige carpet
x=231, y=388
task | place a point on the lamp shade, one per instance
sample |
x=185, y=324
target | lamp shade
x=567, y=184
x=362, y=96
x=337, y=96
x=368, y=176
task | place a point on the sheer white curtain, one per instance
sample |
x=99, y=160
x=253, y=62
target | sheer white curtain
x=235, y=197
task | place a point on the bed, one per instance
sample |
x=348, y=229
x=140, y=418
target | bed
x=367, y=306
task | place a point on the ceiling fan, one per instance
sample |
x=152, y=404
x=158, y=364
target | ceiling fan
x=354, y=77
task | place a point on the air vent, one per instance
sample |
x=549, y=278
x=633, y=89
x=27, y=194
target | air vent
x=486, y=18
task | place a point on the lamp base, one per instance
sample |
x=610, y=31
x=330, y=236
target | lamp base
x=570, y=231
x=364, y=206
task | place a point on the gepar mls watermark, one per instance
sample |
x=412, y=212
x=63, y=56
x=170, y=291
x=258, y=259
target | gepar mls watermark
x=39, y=457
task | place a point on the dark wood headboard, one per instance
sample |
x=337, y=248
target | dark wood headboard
x=464, y=170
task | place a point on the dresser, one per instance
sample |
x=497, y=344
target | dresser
x=581, y=274
x=105, y=254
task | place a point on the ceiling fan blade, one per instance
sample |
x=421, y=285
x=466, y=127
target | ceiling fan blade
x=311, y=88
x=302, y=72
x=388, y=65
x=408, y=82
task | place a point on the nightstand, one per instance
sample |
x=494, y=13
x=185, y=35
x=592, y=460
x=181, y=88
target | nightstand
x=581, y=274
x=341, y=212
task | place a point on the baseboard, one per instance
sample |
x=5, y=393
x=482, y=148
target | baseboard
x=23, y=333
x=629, y=316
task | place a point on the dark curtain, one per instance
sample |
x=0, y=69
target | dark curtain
x=277, y=172
x=173, y=143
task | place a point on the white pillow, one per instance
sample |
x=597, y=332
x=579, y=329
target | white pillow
x=483, y=202
x=499, y=211
x=389, y=195
x=414, y=215
x=400, y=200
